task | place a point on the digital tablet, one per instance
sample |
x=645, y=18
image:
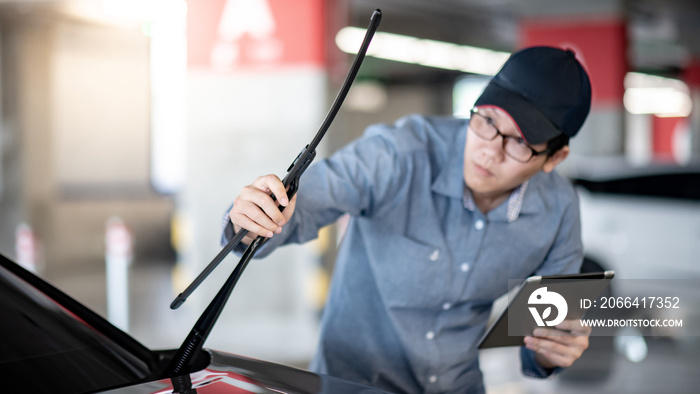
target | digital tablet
x=537, y=301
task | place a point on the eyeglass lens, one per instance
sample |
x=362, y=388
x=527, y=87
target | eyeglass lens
x=484, y=127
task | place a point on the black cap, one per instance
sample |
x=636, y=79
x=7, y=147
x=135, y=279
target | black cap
x=544, y=89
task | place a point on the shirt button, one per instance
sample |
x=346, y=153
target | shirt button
x=446, y=306
x=479, y=224
x=464, y=267
x=435, y=255
x=430, y=335
x=432, y=378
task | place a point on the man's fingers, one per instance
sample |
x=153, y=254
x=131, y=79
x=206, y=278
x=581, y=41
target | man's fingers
x=263, y=202
x=289, y=209
x=560, y=338
x=565, y=328
x=556, y=353
x=559, y=346
x=574, y=326
x=556, y=358
x=250, y=225
x=263, y=218
x=250, y=217
x=256, y=210
x=559, y=349
x=272, y=184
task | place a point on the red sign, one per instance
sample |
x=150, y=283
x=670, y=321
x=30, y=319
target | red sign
x=224, y=35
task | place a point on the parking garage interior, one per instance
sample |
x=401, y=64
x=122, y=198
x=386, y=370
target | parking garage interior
x=128, y=127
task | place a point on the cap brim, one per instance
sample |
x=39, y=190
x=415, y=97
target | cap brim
x=534, y=126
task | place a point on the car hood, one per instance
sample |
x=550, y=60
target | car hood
x=229, y=373
x=52, y=343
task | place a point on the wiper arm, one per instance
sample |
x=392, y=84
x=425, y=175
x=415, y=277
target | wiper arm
x=195, y=340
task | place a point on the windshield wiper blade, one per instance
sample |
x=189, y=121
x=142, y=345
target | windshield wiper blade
x=195, y=340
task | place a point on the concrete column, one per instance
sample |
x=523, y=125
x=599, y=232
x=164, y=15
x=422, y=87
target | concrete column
x=676, y=139
x=670, y=139
x=691, y=76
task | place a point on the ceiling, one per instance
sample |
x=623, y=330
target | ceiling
x=663, y=34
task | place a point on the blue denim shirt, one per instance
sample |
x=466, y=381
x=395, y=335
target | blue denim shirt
x=418, y=269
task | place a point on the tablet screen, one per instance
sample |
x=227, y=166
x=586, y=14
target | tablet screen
x=538, y=301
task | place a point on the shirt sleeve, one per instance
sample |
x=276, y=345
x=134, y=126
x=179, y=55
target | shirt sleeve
x=358, y=179
x=531, y=368
x=566, y=254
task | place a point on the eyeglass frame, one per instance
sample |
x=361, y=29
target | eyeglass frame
x=489, y=121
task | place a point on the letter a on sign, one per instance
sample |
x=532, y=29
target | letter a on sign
x=246, y=32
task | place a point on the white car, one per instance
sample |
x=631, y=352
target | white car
x=642, y=222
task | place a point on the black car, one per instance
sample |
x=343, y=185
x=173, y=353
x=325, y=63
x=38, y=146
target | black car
x=53, y=344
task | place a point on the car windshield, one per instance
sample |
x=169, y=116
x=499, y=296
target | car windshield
x=44, y=347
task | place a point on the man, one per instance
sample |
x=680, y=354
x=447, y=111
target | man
x=443, y=212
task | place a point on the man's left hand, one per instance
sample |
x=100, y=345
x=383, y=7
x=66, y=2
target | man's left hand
x=559, y=347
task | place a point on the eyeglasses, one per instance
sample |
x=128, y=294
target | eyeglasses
x=515, y=147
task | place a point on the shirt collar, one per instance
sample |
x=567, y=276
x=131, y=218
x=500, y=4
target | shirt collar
x=513, y=207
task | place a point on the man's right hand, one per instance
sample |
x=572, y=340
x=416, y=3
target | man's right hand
x=256, y=211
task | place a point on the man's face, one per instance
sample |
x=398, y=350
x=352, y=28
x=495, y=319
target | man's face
x=488, y=171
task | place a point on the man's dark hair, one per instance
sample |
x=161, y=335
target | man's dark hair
x=556, y=143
